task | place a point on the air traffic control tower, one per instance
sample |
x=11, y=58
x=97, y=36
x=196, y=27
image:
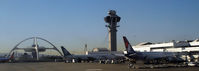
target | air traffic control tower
x=112, y=20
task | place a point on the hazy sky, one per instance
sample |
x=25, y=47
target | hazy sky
x=73, y=23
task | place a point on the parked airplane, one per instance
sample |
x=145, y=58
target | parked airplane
x=94, y=57
x=2, y=60
x=150, y=57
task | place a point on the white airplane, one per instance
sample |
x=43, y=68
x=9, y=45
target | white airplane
x=150, y=57
x=93, y=57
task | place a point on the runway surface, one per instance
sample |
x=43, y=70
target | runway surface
x=60, y=66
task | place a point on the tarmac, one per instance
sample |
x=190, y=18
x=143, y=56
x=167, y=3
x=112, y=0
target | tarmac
x=61, y=66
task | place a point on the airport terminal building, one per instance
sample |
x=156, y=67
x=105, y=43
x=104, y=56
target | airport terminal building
x=173, y=46
x=188, y=48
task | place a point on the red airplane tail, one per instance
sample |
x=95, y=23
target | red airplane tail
x=128, y=46
x=12, y=56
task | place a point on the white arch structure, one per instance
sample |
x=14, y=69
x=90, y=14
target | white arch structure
x=36, y=46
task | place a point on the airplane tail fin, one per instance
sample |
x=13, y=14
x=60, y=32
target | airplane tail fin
x=128, y=46
x=65, y=52
x=12, y=56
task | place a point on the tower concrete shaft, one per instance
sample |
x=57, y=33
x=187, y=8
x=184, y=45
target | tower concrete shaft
x=113, y=38
x=112, y=20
